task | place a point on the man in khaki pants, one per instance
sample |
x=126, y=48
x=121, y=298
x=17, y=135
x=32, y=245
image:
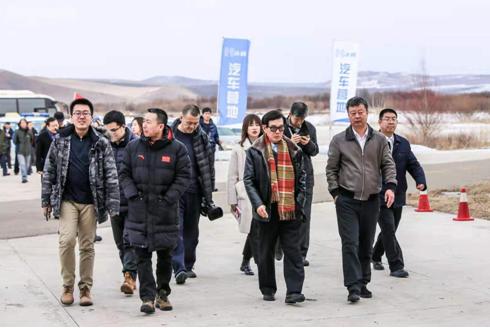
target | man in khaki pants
x=80, y=187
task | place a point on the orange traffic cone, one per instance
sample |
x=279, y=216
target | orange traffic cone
x=424, y=205
x=463, y=210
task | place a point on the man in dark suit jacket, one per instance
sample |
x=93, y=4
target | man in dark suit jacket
x=389, y=218
x=43, y=142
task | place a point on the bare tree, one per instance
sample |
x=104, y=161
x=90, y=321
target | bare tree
x=424, y=121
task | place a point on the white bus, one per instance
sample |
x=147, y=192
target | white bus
x=25, y=103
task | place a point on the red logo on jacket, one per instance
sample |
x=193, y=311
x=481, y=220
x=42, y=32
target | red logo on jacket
x=142, y=157
x=165, y=159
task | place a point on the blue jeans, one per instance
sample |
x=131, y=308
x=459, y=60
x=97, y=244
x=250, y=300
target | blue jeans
x=24, y=161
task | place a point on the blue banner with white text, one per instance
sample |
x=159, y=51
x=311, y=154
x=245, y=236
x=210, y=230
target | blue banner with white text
x=232, y=87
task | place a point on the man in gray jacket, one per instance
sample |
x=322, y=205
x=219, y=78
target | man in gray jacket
x=358, y=159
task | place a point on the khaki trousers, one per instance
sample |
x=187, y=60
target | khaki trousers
x=77, y=220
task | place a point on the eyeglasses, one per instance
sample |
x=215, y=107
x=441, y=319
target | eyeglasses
x=277, y=128
x=79, y=114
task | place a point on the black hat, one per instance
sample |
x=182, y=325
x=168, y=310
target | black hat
x=299, y=109
x=82, y=101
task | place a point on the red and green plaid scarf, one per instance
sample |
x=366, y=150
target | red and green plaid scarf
x=282, y=179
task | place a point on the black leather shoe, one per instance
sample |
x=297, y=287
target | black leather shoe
x=245, y=268
x=97, y=238
x=294, y=298
x=377, y=265
x=181, y=277
x=269, y=297
x=353, y=296
x=399, y=274
x=365, y=293
x=191, y=274
x=306, y=262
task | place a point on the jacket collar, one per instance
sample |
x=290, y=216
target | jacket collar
x=349, y=133
x=176, y=123
x=201, y=121
x=168, y=137
x=93, y=133
x=247, y=144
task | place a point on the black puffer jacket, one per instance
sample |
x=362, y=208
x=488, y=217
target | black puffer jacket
x=153, y=177
x=205, y=161
x=118, y=150
x=257, y=178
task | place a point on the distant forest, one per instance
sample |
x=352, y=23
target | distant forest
x=413, y=101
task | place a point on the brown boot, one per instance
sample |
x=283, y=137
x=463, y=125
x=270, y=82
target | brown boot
x=85, y=298
x=163, y=303
x=129, y=284
x=147, y=307
x=67, y=295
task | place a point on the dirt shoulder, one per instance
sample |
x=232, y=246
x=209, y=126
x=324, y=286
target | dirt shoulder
x=447, y=199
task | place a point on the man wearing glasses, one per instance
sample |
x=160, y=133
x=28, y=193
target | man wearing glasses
x=358, y=158
x=200, y=189
x=275, y=180
x=121, y=135
x=80, y=187
x=389, y=218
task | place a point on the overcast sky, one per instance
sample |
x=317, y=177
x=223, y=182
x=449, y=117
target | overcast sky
x=291, y=41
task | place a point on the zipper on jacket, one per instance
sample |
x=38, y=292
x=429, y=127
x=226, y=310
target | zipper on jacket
x=362, y=167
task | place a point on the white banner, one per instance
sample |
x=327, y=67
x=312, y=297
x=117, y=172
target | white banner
x=344, y=78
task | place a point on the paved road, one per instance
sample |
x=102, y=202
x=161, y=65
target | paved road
x=449, y=284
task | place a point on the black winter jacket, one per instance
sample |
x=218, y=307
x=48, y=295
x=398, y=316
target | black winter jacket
x=205, y=161
x=153, y=177
x=118, y=150
x=257, y=178
x=43, y=142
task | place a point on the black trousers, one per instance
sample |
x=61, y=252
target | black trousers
x=250, y=244
x=3, y=163
x=389, y=219
x=288, y=233
x=148, y=287
x=357, y=228
x=126, y=252
x=305, y=227
x=16, y=161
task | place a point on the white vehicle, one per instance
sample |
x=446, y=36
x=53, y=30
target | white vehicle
x=25, y=103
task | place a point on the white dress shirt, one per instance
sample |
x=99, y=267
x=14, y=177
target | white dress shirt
x=361, y=140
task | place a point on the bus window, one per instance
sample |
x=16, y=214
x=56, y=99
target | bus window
x=7, y=106
x=27, y=105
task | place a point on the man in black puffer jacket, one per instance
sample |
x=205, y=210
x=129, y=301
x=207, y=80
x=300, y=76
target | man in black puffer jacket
x=121, y=135
x=154, y=174
x=188, y=131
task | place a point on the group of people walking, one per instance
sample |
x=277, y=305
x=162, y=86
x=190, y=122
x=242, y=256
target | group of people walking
x=155, y=181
